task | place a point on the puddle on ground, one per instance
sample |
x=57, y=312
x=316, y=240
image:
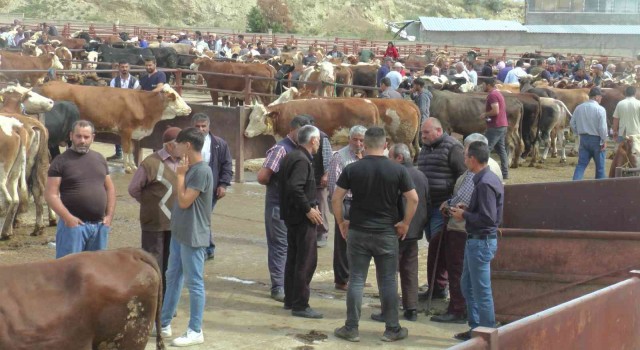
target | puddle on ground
x=235, y=279
x=311, y=337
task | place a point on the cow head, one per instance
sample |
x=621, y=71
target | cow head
x=174, y=104
x=327, y=74
x=33, y=103
x=92, y=57
x=633, y=145
x=289, y=95
x=260, y=121
x=196, y=63
x=55, y=62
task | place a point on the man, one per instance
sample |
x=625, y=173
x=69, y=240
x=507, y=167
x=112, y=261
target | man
x=215, y=153
x=496, y=117
x=124, y=80
x=514, y=75
x=455, y=238
x=386, y=91
x=201, y=45
x=502, y=74
x=273, y=50
x=596, y=72
x=552, y=68
x=487, y=69
x=373, y=230
x=260, y=48
x=540, y=70
x=422, y=97
x=335, y=53
x=211, y=42
x=626, y=117
x=18, y=38
x=384, y=69
x=275, y=228
x=345, y=156
x=441, y=159
x=461, y=71
x=580, y=75
x=366, y=56
x=611, y=70
x=590, y=122
x=79, y=189
x=190, y=232
x=321, y=171
x=408, y=248
x=299, y=210
x=483, y=216
x=154, y=80
x=471, y=72
x=310, y=58
x=151, y=183
x=395, y=77
x=226, y=51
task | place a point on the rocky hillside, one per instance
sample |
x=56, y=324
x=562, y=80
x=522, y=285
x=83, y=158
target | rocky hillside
x=360, y=18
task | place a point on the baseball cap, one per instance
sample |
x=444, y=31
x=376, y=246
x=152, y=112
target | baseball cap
x=551, y=60
x=397, y=65
x=595, y=92
x=170, y=134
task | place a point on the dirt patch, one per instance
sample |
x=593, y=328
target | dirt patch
x=311, y=337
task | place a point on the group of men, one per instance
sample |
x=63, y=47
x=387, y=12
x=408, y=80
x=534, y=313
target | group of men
x=382, y=206
x=177, y=188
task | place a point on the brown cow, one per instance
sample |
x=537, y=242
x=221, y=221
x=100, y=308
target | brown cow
x=12, y=160
x=129, y=113
x=365, y=75
x=13, y=61
x=74, y=44
x=331, y=115
x=65, y=57
x=236, y=84
x=627, y=155
x=344, y=76
x=112, y=298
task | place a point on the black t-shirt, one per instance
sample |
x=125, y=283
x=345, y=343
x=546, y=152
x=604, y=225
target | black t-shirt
x=149, y=82
x=376, y=183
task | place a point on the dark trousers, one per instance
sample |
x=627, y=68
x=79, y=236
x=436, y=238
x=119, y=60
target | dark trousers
x=439, y=268
x=322, y=230
x=211, y=249
x=408, y=268
x=157, y=244
x=454, y=244
x=302, y=259
x=340, y=258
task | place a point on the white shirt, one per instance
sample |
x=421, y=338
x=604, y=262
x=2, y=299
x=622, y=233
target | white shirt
x=201, y=46
x=473, y=77
x=124, y=84
x=396, y=78
x=206, y=149
x=513, y=77
x=628, y=114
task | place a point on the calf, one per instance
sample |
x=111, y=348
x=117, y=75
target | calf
x=92, y=300
x=627, y=154
x=12, y=160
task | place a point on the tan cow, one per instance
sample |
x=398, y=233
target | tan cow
x=13, y=61
x=130, y=113
x=93, y=300
x=12, y=163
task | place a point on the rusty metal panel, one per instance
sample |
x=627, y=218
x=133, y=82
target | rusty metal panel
x=536, y=269
x=590, y=205
x=605, y=319
x=472, y=344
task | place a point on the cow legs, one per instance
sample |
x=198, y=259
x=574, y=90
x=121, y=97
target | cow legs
x=9, y=190
x=560, y=143
x=127, y=152
x=39, y=179
x=554, y=145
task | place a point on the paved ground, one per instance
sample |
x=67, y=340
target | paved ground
x=239, y=313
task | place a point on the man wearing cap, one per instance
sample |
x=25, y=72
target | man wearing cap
x=596, y=71
x=384, y=70
x=152, y=186
x=502, y=74
x=553, y=69
x=608, y=74
x=590, y=122
x=395, y=77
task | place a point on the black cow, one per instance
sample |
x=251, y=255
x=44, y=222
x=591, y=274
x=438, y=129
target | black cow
x=132, y=55
x=58, y=122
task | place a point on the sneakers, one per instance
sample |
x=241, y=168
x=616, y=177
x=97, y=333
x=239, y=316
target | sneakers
x=165, y=332
x=189, y=338
x=346, y=333
x=464, y=336
x=411, y=315
x=395, y=334
x=278, y=295
x=378, y=317
x=307, y=313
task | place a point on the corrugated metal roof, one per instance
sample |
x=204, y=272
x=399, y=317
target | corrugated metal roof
x=584, y=29
x=469, y=25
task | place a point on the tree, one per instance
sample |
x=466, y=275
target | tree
x=255, y=21
x=276, y=15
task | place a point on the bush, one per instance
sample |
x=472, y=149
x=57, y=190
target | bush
x=495, y=5
x=255, y=21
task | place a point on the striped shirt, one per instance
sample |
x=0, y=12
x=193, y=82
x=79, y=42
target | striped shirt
x=339, y=161
x=274, y=157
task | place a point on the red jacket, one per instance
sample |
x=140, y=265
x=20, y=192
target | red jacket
x=392, y=52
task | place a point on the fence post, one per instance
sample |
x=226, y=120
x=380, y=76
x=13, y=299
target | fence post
x=489, y=335
x=247, y=90
x=618, y=172
x=178, y=74
x=242, y=116
x=115, y=29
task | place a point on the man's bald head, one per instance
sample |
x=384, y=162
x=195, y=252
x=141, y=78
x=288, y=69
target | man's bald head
x=431, y=130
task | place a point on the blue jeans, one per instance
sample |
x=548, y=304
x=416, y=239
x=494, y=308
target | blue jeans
x=435, y=225
x=211, y=249
x=497, y=140
x=276, y=245
x=119, y=150
x=589, y=148
x=476, y=282
x=90, y=236
x=185, y=264
x=383, y=247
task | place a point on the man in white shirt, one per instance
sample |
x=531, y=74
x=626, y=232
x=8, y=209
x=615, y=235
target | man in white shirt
x=514, y=75
x=471, y=72
x=394, y=76
x=201, y=45
x=626, y=117
x=124, y=80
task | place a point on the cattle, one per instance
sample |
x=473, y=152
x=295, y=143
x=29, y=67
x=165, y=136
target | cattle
x=12, y=162
x=571, y=97
x=13, y=61
x=132, y=55
x=33, y=103
x=460, y=113
x=58, y=122
x=91, y=56
x=331, y=116
x=236, y=84
x=37, y=161
x=129, y=113
x=166, y=57
x=554, y=118
x=344, y=76
x=75, y=45
x=627, y=155
x=181, y=49
x=365, y=75
x=321, y=76
x=111, y=297
x=65, y=57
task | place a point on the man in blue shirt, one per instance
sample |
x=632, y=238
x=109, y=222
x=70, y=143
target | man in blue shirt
x=590, y=122
x=384, y=70
x=154, y=80
x=483, y=216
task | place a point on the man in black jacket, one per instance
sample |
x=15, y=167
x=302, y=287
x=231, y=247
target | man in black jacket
x=216, y=154
x=298, y=209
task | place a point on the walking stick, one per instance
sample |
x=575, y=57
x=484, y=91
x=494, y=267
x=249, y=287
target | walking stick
x=433, y=278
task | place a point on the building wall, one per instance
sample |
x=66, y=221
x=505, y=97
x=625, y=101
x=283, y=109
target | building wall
x=581, y=18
